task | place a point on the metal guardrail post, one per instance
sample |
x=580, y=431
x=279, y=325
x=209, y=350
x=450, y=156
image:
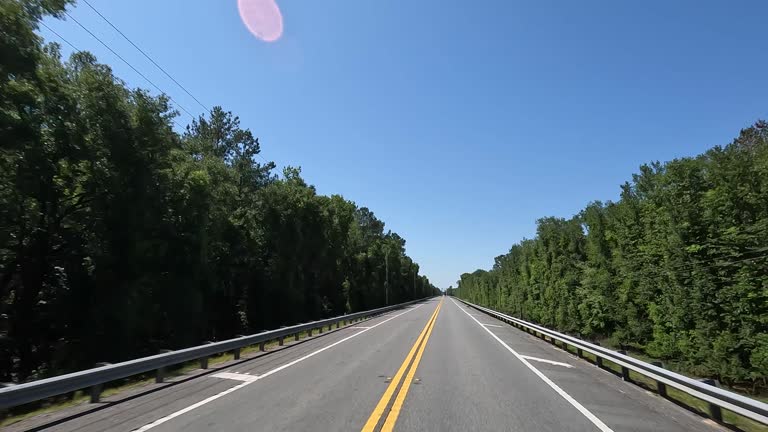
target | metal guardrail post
x=280, y=341
x=714, y=411
x=579, y=353
x=95, y=390
x=296, y=337
x=661, y=388
x=262, y=346
x=320, y=330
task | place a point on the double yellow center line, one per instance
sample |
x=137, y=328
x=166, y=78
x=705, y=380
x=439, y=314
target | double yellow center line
x=411, y=360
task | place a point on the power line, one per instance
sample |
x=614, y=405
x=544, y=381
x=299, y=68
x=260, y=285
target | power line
x=146, y=55
x=59, y=36
x=79, y=51
x=151, y=60
x=134, y=68
x=129, y=65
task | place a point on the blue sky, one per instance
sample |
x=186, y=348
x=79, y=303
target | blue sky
x=458, y=123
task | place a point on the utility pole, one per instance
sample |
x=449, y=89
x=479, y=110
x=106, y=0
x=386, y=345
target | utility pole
x=386, y=281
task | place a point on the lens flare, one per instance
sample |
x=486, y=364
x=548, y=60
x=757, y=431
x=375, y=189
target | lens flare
x=262, y=18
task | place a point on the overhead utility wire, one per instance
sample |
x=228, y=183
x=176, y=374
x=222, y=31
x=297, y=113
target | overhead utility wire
x=136, y=70
x=153, y=62
x=130, y=65
x=79, y=51
x=146, y=55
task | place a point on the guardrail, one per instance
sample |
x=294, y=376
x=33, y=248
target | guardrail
x=95, y=378
x=716, y=397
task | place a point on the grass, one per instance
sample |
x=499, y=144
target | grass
x=680, y=397
x=82, y=396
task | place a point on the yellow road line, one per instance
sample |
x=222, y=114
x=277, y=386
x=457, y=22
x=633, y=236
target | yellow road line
x=389, y=423
x=373, y=420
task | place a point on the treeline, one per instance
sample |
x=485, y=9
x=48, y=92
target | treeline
x=677, y=268
x=120, y=237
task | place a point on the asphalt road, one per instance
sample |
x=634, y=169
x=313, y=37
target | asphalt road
x=436, y=366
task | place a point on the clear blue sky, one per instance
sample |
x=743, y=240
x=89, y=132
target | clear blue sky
x=459, y=123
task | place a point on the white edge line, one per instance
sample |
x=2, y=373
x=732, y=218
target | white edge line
x=191, y=407
x=160, y=421
x=552, y=362
x=588, y=414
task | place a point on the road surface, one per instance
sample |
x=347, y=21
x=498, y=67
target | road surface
x=435, y=366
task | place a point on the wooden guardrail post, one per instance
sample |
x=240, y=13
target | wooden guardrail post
x=598, y=359
x=160, y=372
x=624, y=369
x=3, y=411
x=714, y=411
x=236, y=352
x=204, y=360
x=661, y=388
x=96, y=389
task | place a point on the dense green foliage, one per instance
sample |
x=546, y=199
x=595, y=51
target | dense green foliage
x=678, y=267
x=120, y=237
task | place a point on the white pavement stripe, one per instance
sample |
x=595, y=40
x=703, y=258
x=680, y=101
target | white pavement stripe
x=552, y=362
x=492, y=325
x=236, y=376
x=588, y=414
x=191, y=407
x=158, y=422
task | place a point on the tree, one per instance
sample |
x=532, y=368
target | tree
x=675, y=268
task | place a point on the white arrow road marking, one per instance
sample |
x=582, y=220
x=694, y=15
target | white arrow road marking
x=236, y=376
x=556, y=363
